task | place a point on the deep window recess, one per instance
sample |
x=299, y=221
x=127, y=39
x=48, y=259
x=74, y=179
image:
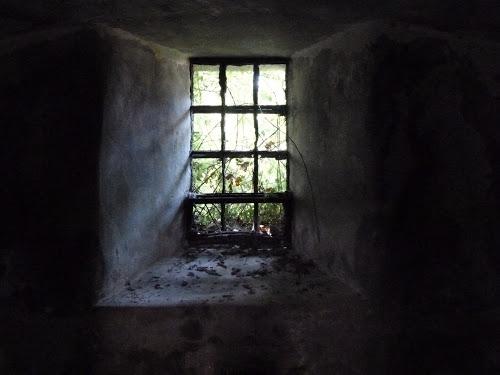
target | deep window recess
x=239, y=157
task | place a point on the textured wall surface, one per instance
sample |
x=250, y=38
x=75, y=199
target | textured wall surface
x=144, y=170
x=397, y=129
x=247, y=27
x=94, y=159
x=50, y=114
x=330, y=86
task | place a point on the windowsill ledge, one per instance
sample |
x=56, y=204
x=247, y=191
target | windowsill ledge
x=228, y=275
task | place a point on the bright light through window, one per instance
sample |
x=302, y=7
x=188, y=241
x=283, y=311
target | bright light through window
x=239, y=156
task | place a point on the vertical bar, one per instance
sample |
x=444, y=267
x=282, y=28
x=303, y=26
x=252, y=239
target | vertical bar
x=287, y=205
x=286, y=128
x=189, y=206
x=189, y=218
x=255, y=155
x=223, y=87
x=191, y=134
x=288, y=214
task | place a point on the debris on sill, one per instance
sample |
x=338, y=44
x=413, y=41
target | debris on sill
x=233, y=272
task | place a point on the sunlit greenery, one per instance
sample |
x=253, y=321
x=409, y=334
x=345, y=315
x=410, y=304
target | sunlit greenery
x=272, y=132
x=206, y=88
x=239, y=85
x=272, y=175
x=239, y=132
x=239, y=175
x=239, y=216
x=207, y=217
x=272, y=84
x=207, y=175
x=271, y=219
x=271, y=213
x=206, y=131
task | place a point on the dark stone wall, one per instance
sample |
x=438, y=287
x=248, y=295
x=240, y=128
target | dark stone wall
x=398, y=133
x=331, y=169
x=144, y=157
x=50, y=111
x=95, y=147
x=441, y=234
x=398, y=128
x=61, y=92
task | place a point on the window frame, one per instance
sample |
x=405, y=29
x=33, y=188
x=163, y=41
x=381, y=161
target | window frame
x=255, y=109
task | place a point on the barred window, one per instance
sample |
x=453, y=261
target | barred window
x=239, y=157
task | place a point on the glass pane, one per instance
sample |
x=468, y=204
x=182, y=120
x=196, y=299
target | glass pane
x=272, y=175
x=206, y=132
x=271, y=219
x=272, y=132
x=272, y=84
x=206, y=218
x=206, y=88
x=239, y=217
x=239, y=85
x=207, y=176
x=239, y=175
x=240, y=132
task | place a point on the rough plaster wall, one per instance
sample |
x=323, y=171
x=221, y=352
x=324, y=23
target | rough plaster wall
x=144, y=170
x=330, y=86
x=397, y=126
x=50, y=113
x=247, y=27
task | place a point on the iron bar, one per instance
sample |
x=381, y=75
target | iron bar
x=268, y=109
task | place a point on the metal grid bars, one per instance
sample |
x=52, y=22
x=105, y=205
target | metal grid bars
x=239, y=156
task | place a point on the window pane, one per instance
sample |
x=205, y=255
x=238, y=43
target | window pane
x=240, y=132
x=272, y=175
x=206, y=132
x=272, y=84
x=239, y=175
x=239, y=217
x=272, y=132
x=206, y=87
x=206, y=218
x=271, y=219
x=239, y=85
x=207, y=176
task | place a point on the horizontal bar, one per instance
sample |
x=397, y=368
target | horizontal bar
x=278, y=155
x=278, y=109
x=238, y=60
x=249, y=196
x=246, y=239
x=239, y=198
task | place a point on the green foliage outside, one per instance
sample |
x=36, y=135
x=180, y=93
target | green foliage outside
x=207, y=174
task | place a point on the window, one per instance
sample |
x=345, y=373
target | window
x=239, y=157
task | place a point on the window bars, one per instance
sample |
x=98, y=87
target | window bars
x=239, y=156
